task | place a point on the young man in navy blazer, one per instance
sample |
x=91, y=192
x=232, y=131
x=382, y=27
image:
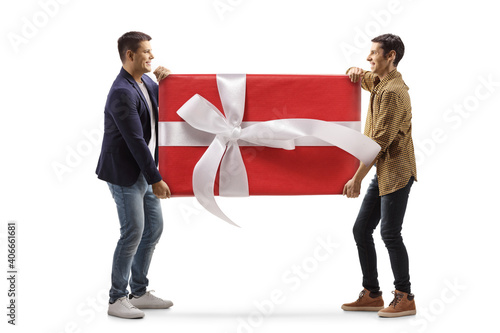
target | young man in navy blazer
x=129, y=164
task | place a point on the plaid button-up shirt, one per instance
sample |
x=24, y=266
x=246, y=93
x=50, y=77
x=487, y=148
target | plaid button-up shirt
x=388, y=123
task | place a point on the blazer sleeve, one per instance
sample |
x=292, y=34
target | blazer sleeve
x=124, y=112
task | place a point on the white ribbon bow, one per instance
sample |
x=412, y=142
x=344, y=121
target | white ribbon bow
x=224, y=149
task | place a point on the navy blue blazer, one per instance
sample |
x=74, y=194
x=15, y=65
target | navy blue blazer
x=127, y=131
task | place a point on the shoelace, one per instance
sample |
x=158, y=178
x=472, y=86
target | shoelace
x=127, y=304
x=361, y=294
x=153, y=296
x=149, y=295
x=397, y=298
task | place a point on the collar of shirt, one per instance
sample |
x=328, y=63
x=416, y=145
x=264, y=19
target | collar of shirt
x=380, y=84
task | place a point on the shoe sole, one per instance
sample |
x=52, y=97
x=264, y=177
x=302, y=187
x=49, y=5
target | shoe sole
x=362, y=308
x=397, y=314
x=149, y=307
x=138, y=316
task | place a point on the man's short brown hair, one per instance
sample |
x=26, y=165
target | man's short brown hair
x=389, y=42
x=131, y=41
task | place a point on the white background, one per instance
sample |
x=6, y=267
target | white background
x=59, y=60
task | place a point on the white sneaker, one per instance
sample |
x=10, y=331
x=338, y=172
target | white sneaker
x=123, y=309
x=149, y=301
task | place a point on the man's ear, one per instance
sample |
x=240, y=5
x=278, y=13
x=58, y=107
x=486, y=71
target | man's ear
x=130, y=55
x=391, y=55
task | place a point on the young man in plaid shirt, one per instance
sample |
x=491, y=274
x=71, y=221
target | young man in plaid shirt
x=389, y=124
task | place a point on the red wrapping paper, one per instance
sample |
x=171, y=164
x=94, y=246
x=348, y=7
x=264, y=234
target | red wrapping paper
x=303, y=171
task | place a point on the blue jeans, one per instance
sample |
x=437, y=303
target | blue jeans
x=389, y=210
x=141, y=225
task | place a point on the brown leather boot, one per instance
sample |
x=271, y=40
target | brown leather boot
x=367, y=301
x=403, y=304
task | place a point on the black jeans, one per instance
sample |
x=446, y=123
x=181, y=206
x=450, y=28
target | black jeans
x=390, y=210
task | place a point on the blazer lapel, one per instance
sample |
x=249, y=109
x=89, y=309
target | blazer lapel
x=150, y=87
x=139, y=91
x=152, y=97
x=131, y=80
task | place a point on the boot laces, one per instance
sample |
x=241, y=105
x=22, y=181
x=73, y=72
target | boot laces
x=397, y=298
x=361, y=294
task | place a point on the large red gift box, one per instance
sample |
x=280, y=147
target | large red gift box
x=305, y=170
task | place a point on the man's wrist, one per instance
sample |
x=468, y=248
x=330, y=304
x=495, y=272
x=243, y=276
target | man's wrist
x=357, y=179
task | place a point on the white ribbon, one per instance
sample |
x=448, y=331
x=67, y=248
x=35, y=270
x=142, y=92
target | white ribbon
x=224, y=149
x=181, y=134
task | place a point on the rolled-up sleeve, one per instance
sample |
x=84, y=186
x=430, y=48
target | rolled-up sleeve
x=388, y=121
